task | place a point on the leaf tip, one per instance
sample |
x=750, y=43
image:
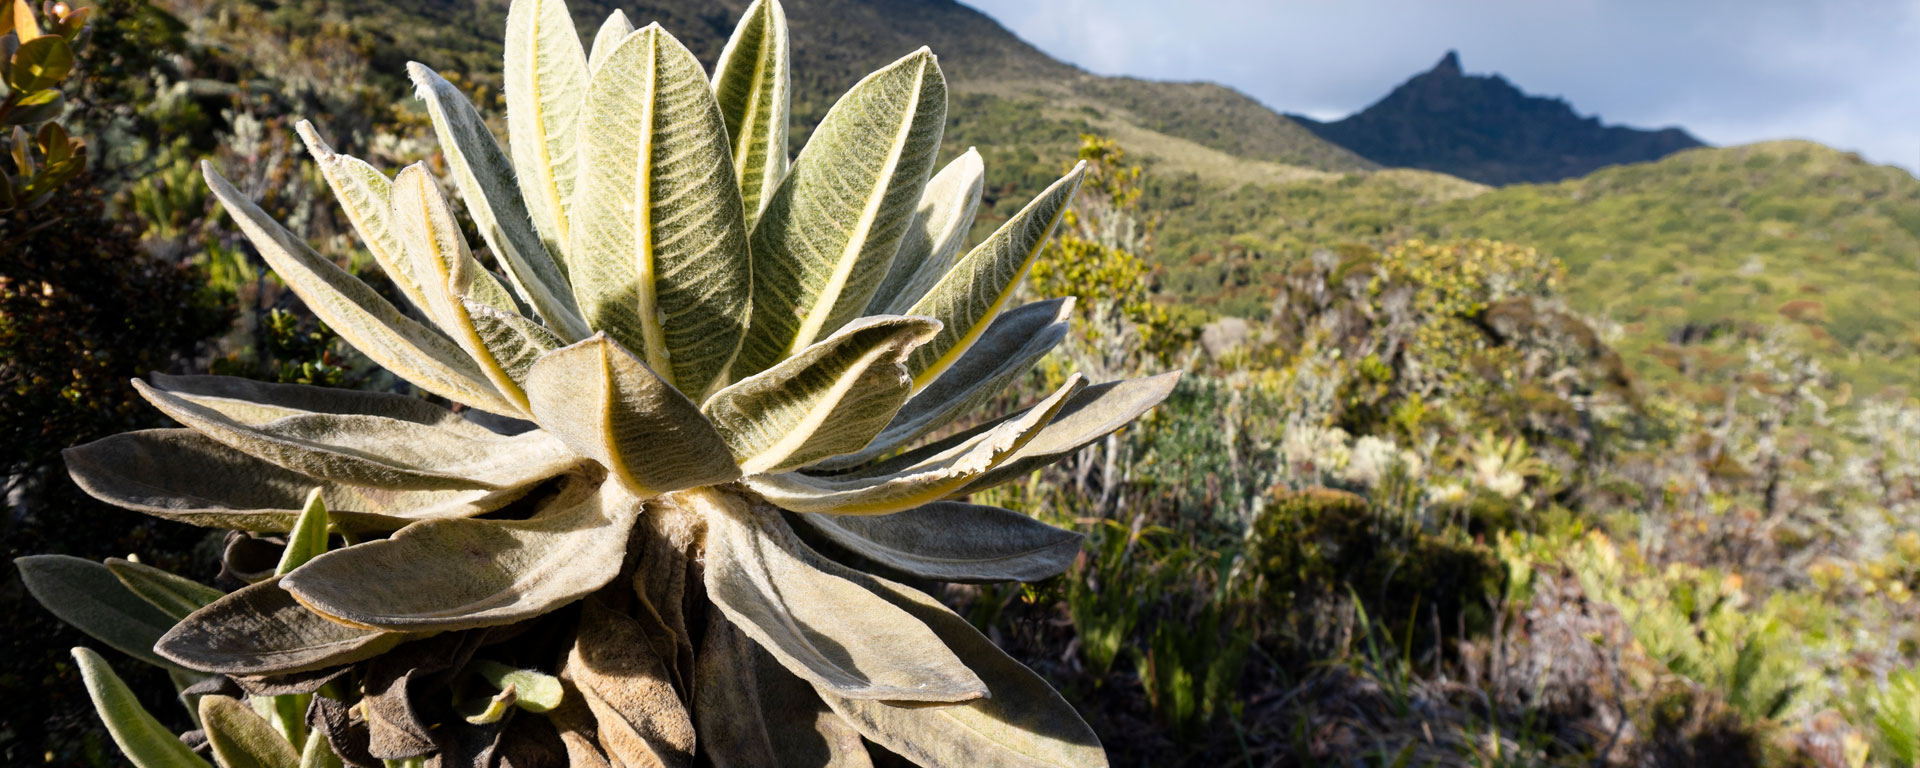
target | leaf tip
x=316, y=146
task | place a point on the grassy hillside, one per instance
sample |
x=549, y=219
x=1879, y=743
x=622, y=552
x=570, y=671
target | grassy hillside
x=835, y=43
x=1710, y=240
x=1705, y=243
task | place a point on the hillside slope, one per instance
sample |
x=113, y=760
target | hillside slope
x=1706, y=243
x=835, y=43
x=1716, y=241
x=1482, y=127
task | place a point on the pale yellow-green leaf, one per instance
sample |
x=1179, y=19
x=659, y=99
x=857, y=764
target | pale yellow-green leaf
x=370, y=323
x=659, y=250
x=174, y=595
x=954, y=541
x=262, y=630
x=146, y=743
x=515, y=342
x=460, y=574
x=606, y=405
x=362, y=191
x=493, y=710
x=88, y=596
x=612, y=31
x=753, y=80
x=642, y=720
x=318, y=753
x=241, y=738
x=1008, y=350
x=181, y=475
x=1023, y=723
x=488, y=184
x=546, y=85
x=941, y=221
x=534, y=691
x=1089, y=416
x=255, y=403
x=829, y=232
x=377, y=451
x=971, y=295
x=829, y=399
x=804, y=610
x=916, y=477
x=308, y=537
x=427, y=229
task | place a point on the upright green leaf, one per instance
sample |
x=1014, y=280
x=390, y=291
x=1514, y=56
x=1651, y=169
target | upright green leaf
x=427, y=229
x=241, y=738
x=808, y=613
x=659, y=250
x=606, y=405
x=146, y=743
x=479, y=573
x=182, y=475
x=363, y=192
x=953, y=541
x=971, y=294
x=491, y=190
x=546, y=84
x=370, y=323
x=1008, y=350
x=514, y=342
x=318, y=753
x=88, y=596
x=753, y=81
x=615, y=29
x=1023, y=723
x=308, y=538
x=16, y=16
x=830, y=399
x=828, y=234
x=174, y=595
x=940, y=224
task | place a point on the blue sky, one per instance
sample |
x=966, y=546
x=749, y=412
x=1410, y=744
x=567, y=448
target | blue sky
x=1842, y=72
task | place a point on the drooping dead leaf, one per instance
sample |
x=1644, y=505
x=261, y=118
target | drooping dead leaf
x=641, y=720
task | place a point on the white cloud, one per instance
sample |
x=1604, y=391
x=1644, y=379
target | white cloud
x=1842, y=72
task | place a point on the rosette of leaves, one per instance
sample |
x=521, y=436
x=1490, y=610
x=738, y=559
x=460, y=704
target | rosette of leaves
x=712, y=404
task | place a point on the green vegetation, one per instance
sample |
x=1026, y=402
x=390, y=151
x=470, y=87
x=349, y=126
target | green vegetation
x=1704, y=246
x=1618, y=470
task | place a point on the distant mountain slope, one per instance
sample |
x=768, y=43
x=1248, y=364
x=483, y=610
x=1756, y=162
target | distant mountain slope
x=1702, y=244
x=835, y=43
x=1481, y=127
x=1715, y=241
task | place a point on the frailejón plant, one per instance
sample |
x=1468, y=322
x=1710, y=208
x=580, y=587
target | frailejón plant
x=695, y=440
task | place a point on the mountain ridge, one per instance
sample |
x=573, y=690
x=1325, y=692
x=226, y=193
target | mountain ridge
x=1486, y=129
